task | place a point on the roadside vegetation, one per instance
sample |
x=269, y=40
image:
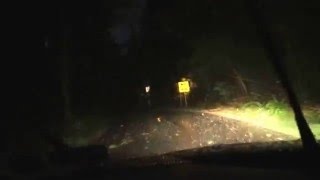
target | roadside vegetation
x=272, y=114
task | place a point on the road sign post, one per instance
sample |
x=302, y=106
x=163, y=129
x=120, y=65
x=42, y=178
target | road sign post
x=184, y=89
x=185, y=100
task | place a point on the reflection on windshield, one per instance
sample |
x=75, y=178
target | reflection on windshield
x=151, y=77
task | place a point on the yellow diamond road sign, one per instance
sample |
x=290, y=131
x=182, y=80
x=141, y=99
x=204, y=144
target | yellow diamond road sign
x=184, y=86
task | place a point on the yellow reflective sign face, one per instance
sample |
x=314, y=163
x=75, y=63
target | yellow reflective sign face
x=184, y=86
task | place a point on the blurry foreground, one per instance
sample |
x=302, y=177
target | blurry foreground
x=162, y=132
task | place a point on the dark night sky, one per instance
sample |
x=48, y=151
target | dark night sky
x=127, y=17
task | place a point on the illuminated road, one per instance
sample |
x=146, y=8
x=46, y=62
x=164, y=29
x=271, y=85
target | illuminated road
x=159, y=133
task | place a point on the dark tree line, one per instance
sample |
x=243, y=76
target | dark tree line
x=214, y=41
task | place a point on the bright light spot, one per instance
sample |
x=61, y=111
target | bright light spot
x=158, y=119
x=147, y=89
x=210, y=142
x=113, y=146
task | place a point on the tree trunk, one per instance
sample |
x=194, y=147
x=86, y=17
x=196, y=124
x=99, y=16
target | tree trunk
x=240, y=81
x=65, y=76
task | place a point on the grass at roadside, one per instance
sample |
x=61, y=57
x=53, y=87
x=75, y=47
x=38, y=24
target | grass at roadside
x=273, y=115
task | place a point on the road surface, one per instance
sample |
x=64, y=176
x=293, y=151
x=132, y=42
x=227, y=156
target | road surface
x=167, y=131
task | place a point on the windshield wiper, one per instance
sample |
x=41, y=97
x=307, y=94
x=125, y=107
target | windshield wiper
x=276, y=56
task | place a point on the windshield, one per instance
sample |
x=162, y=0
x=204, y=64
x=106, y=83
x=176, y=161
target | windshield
x=150, y=77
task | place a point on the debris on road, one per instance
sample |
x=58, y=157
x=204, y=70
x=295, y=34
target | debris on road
x=184, y=131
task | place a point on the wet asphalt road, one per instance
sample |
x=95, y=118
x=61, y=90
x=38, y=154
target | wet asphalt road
x=162, y=132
